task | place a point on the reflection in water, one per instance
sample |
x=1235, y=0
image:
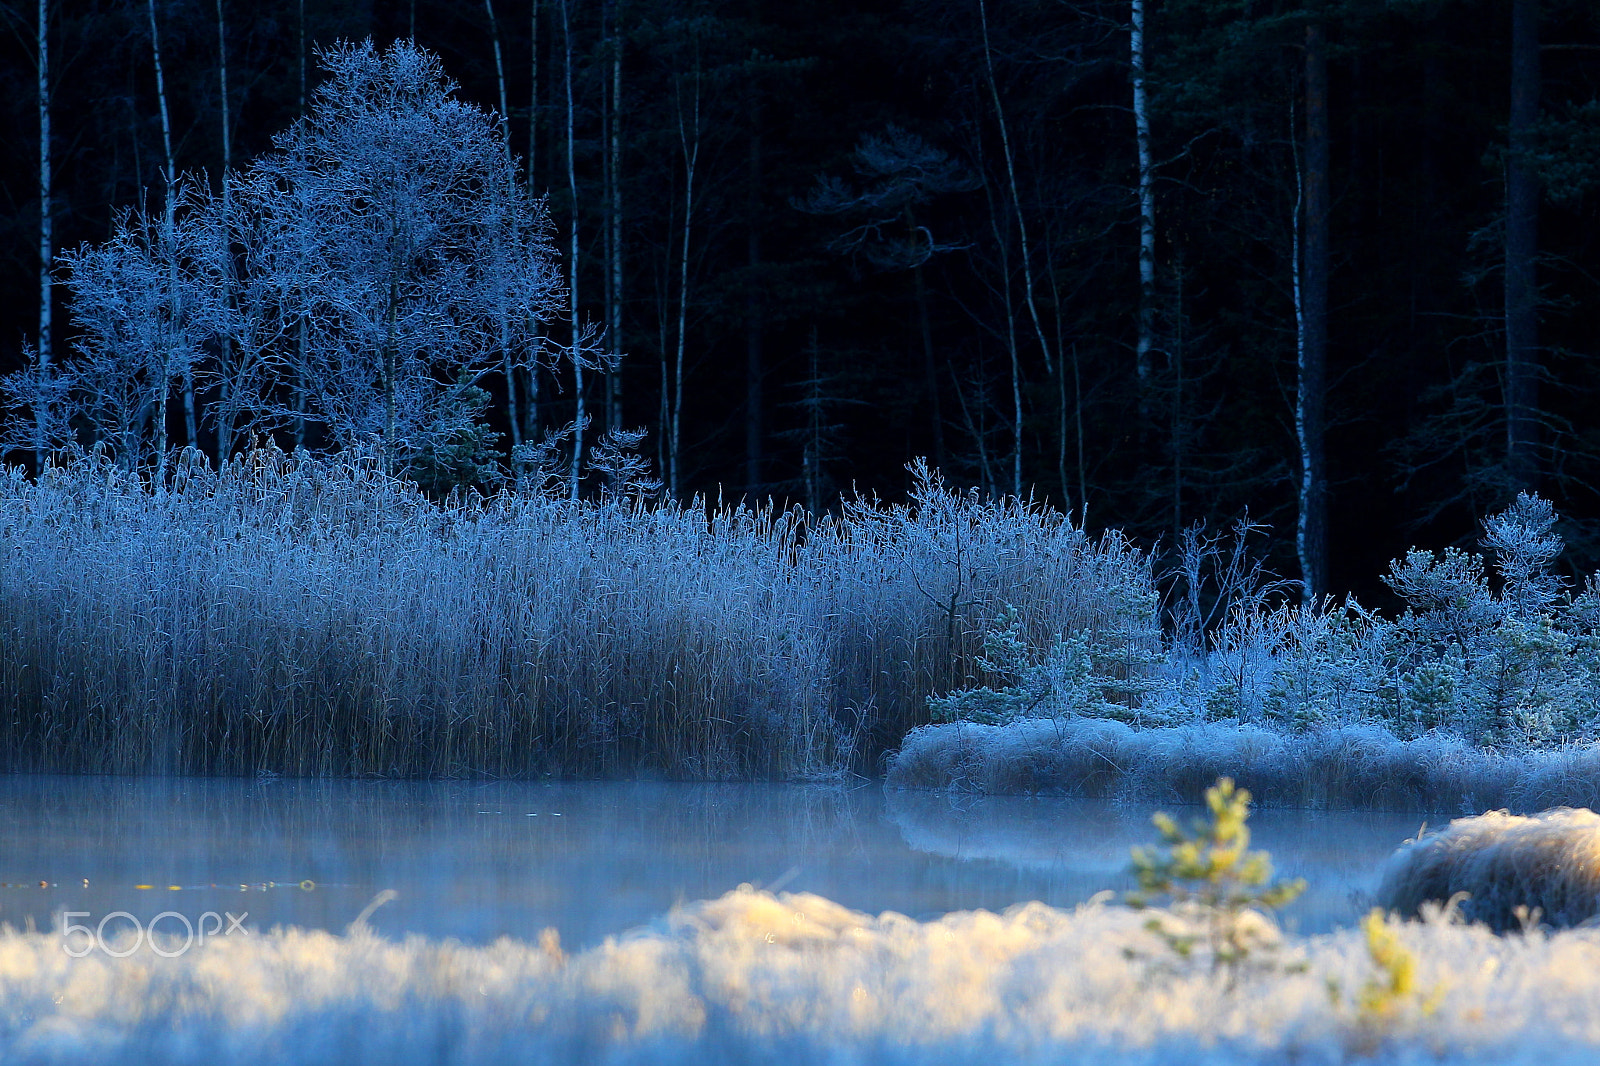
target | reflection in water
x=476, y=861
x=1082, y=845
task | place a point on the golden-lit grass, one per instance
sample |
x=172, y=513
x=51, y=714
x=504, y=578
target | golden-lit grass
x=755, y=977
x=318, y=618
x=1513, y=869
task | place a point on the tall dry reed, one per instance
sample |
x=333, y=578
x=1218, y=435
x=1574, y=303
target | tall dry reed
x=314, y=617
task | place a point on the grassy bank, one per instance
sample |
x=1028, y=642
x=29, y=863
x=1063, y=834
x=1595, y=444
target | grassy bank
x=313, y=617
x=1343, y=767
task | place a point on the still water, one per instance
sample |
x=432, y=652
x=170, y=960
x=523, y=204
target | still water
x=482, y=860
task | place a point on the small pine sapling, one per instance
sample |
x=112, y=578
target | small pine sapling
x=1214, y=882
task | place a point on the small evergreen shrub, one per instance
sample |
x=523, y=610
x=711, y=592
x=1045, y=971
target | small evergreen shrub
x=1213, y=882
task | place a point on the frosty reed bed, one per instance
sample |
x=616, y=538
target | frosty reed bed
x=755, y=977
x=314, y=617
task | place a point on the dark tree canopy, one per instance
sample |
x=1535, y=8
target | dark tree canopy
x=914, y=229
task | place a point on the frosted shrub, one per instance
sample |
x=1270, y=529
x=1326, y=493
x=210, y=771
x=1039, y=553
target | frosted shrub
x=1391, y=999
x=1330, y=669
x=1063, y=682
x=1510, y=661
x=1512, y=665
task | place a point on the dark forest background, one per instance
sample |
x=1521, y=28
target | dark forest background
x=913, y=220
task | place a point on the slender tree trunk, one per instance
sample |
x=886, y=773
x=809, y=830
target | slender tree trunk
x=531, y=404
x=300, y=51
x=390, y=371
x=168, y=233
x=533, y=102
x=300, y=391
x=1016, y=201
x=812, y=460
x=1077, y=410
x=222, y=99
x=1011, y=347
x=300, y=327
x=663, y=347
x=507, y=363
x=754, y=323
x=1311, y=529
x=572, y=265
x=1522, y=248
x=690, y=145
x=613, y=178
x=1180, y=429
x=46, y=224
x=228, y=398
x=500, y=76
x=1147, y=211
x=1061, y=394
x=930, y=367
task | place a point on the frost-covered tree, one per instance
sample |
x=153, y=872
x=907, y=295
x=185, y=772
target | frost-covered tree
x=145, y=303
x=365, y=273
x=394, y=241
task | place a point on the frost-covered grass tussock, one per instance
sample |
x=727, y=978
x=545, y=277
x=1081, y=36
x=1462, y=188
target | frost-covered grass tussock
x=1512, y=869
x=316, y=617
x=753, y=977
x=1340, y=767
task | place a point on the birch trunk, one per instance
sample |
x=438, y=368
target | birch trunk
x=300, y=329
x=1311, y=527
x=1147, y=210
x=572, y=260
x=229, y=390
x=168, y=231
x=508, y=364
x=1011, y=351
x=1024, y=249
x=614, y=237
x=46, y=223
x=533, y=101
x=530, y=407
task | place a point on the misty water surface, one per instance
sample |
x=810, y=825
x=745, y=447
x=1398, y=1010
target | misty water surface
x=483, y=860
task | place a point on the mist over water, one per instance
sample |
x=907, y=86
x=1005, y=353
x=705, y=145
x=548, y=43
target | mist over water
x=478, y=861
